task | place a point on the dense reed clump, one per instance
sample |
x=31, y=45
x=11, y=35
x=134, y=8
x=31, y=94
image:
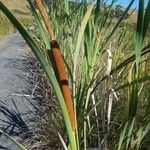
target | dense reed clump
x=106, y=71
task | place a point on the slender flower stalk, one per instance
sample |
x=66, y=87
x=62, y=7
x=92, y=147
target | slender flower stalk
x=46, y=20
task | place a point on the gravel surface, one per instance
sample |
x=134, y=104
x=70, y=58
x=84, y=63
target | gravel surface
x=15, y=110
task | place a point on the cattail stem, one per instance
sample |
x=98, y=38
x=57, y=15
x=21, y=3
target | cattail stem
x=58, y=64
x=45, y=17
x=63, y=81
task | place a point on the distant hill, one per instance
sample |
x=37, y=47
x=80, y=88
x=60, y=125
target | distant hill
x=119, y=11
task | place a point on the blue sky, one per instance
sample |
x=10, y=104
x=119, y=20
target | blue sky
x=126, y=2
x=121, y=2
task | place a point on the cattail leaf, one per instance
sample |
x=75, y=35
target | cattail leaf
x=43, y=33
x=20, y=146
x=141, y=80
x=80, y=36
x=66, y=2
x=122, y=136
x=146, y=19
x=139, y=33
x=142, y=131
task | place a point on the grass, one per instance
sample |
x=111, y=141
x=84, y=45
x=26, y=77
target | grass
x=106, y=61
x=7, y=28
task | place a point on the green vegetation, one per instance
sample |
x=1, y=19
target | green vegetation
x=107, y=63
x=7, y=28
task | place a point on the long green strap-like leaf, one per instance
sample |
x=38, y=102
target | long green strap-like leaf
x=43, y=33
x=142, y=131
x=109, y=12
x=66, y=6
x=146, y=19
x=48, y=70
x=80, y=36
x=139, y=33
x=147, y=78
x=122, y=136
x=20, y=146
x=129, y=133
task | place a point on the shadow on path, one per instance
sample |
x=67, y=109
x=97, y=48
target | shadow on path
x=15, y=110
x=13, y=124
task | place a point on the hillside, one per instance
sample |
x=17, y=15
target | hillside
x=20, y=9
x=16, y=4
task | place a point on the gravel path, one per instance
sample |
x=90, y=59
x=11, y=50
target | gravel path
x=14, y=108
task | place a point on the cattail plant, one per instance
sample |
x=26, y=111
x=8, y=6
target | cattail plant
x=87, y=56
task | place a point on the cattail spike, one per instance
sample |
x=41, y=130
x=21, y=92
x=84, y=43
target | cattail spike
x=63, y=81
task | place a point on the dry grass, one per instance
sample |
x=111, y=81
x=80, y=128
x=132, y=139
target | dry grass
x=13, y=4
x=48, y=119
x=20, y=10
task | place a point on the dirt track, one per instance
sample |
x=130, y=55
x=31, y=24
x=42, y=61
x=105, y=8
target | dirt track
x=14, y=108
